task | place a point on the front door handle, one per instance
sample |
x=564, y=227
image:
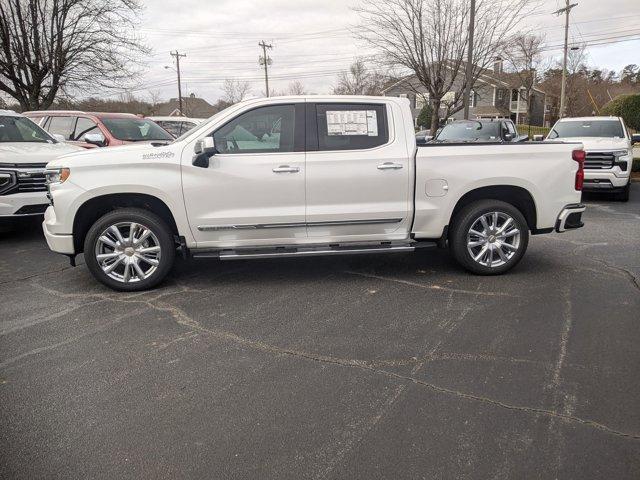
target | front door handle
x=389, y=166
x=286, y=169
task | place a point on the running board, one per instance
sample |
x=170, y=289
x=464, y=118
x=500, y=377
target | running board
x=306, y=251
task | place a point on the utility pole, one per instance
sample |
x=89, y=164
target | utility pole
x=563, y=95
x=469, y=72
x=177, y=56
x=266, y=61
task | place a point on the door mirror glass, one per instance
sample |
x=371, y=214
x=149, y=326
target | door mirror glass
x=205, y=145
x=508, y=137
x=635, y=138
x=95, y=139
x=538, y=138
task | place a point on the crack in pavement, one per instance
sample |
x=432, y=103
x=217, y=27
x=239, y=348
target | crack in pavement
x=184, y=319
x=431, y=287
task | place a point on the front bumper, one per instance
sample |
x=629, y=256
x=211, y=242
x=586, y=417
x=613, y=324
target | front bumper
x=23, y=204
x=57, y=242
x=602, y=181
x=570, y=217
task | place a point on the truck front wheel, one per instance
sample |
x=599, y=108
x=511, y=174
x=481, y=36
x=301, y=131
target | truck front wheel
x=129, y=249
x=488, y=237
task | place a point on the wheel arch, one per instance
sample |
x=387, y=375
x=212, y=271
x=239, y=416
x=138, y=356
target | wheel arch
x=96, y=207
x=519, y=197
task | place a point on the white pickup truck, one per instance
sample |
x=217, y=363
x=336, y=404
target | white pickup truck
x=608, y=147
x=25, y=150
x=307, y=175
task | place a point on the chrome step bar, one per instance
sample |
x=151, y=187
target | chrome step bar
x=306, y=251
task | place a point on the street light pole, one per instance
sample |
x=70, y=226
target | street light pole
x=469, y=72
x=563, y=87
x=177, y=57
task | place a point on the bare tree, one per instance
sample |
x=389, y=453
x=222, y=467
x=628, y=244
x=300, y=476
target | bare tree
x=235, y=90
x=154, y=97
x=429, y=38
x=49, y=46
x=296, y=88
x=524, y=57
x=359, y=80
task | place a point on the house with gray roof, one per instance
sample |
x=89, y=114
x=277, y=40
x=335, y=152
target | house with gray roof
x=496, y=94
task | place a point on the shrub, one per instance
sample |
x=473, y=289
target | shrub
x=424, y=118
x=627, y=107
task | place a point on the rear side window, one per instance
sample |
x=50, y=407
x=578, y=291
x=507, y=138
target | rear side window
x=62, y=126
x=344, y=126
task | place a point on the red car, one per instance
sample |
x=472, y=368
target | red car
x=93, y=129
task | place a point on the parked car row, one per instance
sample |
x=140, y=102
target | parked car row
x=29, y=141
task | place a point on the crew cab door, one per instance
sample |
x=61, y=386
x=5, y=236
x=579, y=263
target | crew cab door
x=253, y=190
x=359, y=171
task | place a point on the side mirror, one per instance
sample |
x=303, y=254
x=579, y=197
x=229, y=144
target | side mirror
x=95, y=139
x=508, y=137
x=203, y=149
x=538, y=138
x=635, y=138
x=59, y=137
x=204, y=145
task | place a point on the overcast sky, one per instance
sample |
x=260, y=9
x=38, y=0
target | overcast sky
x=312, y=40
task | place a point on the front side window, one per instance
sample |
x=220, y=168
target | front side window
x=62, y=126
x=135, y=129
x=351, y=126
x=587, y=128
x=84, y=126
x=262, y=130
x=21, y=129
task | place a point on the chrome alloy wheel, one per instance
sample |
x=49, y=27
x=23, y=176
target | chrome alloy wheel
x=128, y=252
x=493, y=239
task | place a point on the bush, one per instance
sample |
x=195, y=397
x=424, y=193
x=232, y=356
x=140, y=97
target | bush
x=424, y=118
x=627, y=107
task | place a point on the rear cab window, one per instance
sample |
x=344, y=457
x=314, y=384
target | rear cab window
x=344, y=126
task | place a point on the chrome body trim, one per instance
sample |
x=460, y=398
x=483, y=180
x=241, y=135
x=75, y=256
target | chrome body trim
x=257, y=226
x=564, y=214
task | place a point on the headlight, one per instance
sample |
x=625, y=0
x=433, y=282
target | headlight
x=57, y=175
x=620, y=153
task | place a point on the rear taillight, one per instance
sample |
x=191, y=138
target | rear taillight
x=579, y=156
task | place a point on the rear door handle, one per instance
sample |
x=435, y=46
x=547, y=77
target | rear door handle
x=286, y=169
x=389, y=166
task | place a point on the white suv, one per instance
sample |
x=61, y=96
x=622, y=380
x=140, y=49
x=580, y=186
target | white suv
x=25, y=150
x=609, y=147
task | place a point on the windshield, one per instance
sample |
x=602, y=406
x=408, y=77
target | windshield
x=470, y=132
x=587, y=128
x=135, y=129
x=176, y=127
x=21, y=129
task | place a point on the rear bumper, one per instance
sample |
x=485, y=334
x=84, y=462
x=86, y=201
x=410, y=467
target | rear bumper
x=57, y=242
x=570, y=217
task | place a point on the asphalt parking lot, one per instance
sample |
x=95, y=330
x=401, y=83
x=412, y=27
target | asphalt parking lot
x=363, y=367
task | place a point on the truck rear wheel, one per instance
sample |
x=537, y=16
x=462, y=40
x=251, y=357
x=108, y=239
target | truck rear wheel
x=489, y=237
x=129, y=249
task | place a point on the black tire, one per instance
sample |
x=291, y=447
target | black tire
x=623, y=196
x=161, y=233
x=466, y=218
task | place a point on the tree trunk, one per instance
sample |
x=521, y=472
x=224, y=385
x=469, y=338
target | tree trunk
x=435, y=117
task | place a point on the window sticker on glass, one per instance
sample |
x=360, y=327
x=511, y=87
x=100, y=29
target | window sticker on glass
x=352, y=122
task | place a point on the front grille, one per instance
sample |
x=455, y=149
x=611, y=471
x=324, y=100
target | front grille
x=31, y=181
x=22, y=178
x=599, y=160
